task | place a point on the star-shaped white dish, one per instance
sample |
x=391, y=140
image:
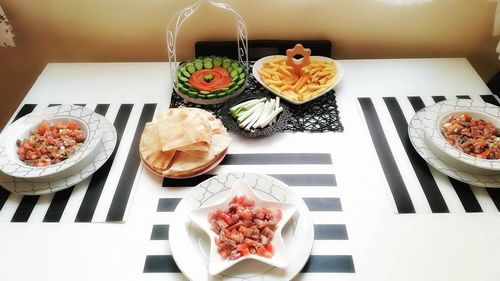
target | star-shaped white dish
x=217, y=263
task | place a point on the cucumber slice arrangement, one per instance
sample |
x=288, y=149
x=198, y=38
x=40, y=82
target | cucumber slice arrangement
x=219, y=76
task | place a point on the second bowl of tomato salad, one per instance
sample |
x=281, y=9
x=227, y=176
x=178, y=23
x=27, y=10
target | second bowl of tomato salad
x=465, y=134
x=51, y=143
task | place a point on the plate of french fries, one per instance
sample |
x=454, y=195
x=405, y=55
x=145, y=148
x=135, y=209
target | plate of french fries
x=314, y=80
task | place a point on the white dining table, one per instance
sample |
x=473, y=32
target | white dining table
x=378, y=242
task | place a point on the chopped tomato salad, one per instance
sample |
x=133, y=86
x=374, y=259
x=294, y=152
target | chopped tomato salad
x=50, y=143
x=244, y=229
x=475, y=137
x=210, y=79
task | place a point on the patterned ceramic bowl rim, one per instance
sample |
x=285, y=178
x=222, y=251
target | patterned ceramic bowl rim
x=435, y=116
x=89, y=122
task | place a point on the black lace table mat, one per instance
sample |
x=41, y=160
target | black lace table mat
x=318, y=116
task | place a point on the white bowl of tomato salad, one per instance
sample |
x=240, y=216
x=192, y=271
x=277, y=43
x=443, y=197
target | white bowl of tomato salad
x=467, y=138
x=50, y=144
x=244, y=227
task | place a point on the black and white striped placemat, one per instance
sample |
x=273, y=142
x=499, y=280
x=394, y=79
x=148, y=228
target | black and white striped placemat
x=311, y=175
x=414, y=186
x=106, y=195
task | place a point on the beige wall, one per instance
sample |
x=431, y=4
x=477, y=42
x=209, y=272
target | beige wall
x=134, y=30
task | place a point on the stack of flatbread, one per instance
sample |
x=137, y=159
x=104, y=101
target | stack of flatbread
x=182, y=142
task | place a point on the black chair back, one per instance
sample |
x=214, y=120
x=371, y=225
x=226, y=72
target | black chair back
x=261, y=48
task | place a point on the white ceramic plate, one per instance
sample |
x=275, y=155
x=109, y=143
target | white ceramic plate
x=88, y=121
x=28, y=187
x=417, y=137
x=217, y=264
x=432, y=125
x=258, y=65
x=190, y=245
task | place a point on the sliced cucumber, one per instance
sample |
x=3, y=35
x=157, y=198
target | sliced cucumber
x=211, y=96
x=192, y=94
x=234, y=73
x=229, y=69
x=204, y=92
x=240, y=70
x=198, y=64
x=208, y=64
x=191, y=68
x=242, y=75
x=186, y=74
x=235, y=65
x=184, y=79
x=226, y=63
x=217, y=61
x=240, y=82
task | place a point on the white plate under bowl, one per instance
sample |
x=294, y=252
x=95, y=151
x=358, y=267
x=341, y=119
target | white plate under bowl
x=88, y=121
x=29, y=187
x=190, y=245
x=416, y=133
x=434, y=117
x=258, y=65
x=216, y=263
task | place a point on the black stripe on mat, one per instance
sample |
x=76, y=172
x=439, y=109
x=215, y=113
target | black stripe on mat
x=314, y=204
x=54, y=104
x=330, y=232
x=185, y=182
x=167, y=204
x=466, y=196
x=57, y=205
x=323, y=204
x=495, y=196
x=329, y=263
x=80, y=104
x=422, y=171
x=26, y=109
x=101, y=109
x=59, y=202
x=438, y=98
x=277, y=158
x=490, y=99
x=386, y=158
x=160, y=232
x=4, y=195
x=127, y=178
x=93, y=193
x=307, y=179
x=417, y=103
x=464, y=97
x=289, y=179
x=25, y=208
x=463, y=190
x=160, y=264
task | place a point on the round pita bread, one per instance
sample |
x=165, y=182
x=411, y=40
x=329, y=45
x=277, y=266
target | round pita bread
x=150, y=148
x=181, y=127
x=183, y=142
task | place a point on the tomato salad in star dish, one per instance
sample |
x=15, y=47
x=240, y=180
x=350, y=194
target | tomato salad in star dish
x=475, y=137
x=50, y=143
x=244, y=229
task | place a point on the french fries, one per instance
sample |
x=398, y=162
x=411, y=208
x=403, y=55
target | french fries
x=313, y=79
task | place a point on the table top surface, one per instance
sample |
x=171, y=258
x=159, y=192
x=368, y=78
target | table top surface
x=457, y=245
